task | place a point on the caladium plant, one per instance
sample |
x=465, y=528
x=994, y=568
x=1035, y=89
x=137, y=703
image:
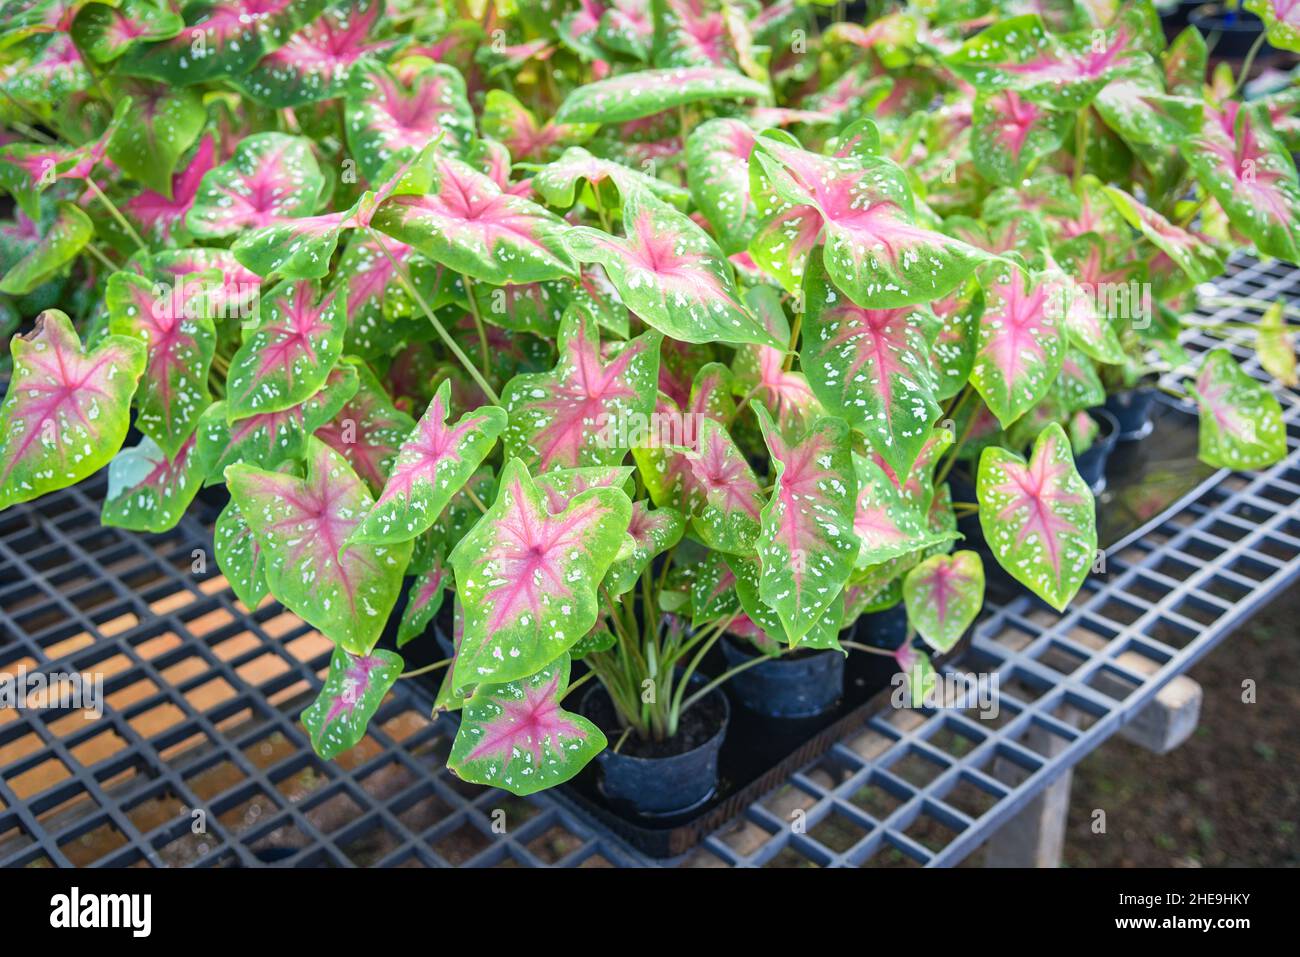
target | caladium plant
x=588, y=347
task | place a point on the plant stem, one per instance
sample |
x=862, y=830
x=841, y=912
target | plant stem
x=792, y=351
x=855, y=646
x=426, y=669
x=1247, y=63
x=600, y=208
x=961, y=439
x=577, y=684
x=484, y=358
x=475, y=499
x=94, y=251
x=116, y=214
x=720, y=679
x=456, y=350
x=1080, y=143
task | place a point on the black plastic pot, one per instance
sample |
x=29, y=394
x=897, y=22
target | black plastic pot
x=661, y=786
x=1132, y=410
x=883, y=629
x=1174, y=18
x=1237, y=29
x=1091, y=463
x=785, y=687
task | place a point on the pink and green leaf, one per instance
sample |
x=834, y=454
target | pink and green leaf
x=953, y=354
x=717, y=169
x=1010, y=134
x=631, y=96
x=872, y=367
x=67, y=409
x=807, y=546
x=468, y=224
x=106, y=32
x=515, y=735
x=672, y=274
x=174, y=390
x=239, y=556
x=271, y=177
x=1021, y=342
x=528, y=578
x=577, y=414
x=1281, y=21
x=301, y=524
x=433, y=463
x=163, y=216
x=393, y=115
x=729, y=501
x=286, y=357
x=60, y=242
x=163, y=124
x=1039, y=518
x=423, y=601
x=1241, y=420
x=508, y=121
x=354, y=689
x=943, y=595
x=887, y=522
x=148, y=490
x=1193, y=254
x=316, y=61
x=822, y=633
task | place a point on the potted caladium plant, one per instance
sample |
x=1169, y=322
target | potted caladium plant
x=623, y=331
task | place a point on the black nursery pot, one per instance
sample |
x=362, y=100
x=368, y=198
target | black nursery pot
x=1132, y=411
x=797, y=686
x=1237, y=29
x=1091, y=463
x=659, y=786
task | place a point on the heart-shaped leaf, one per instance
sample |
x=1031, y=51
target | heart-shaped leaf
x=468, y=224
x=148, y=491
x=1020, y=342
x=729, y=500
x=943, y=595
x=888, y=523
x=221, y=39
x=432, y=465
x=875, y=251
x=106, y=32
x=1241, y=421
x=807, y=546
x=672, y=274
x=271, y=177
x=354, y=689
x=301, y=526
x=1009, y=134
x=174, y=391
x=1281, y=20
x=508, y=121
x=1238, y=158
x=1193, y=254
x=392, y=116
x=316, y=61
x=1275, y=346
x=527, y=578
x=631, y=96
x=514, y=735
x=287, y=356
x=872, y=367
x=1039, y=518
x=653, y=532
x=270, y=438
x=1064, y=72
x=583, y=411
x=66, y=412
x=239, y=556
x=59, y=244
x=368, y=430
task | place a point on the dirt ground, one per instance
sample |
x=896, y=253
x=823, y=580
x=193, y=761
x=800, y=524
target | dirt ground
x=1230, y=795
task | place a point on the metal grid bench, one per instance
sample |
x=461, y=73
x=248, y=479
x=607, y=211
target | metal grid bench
x=198, y=758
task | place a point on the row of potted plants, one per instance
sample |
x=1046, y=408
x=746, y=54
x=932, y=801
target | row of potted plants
x=626, y=329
